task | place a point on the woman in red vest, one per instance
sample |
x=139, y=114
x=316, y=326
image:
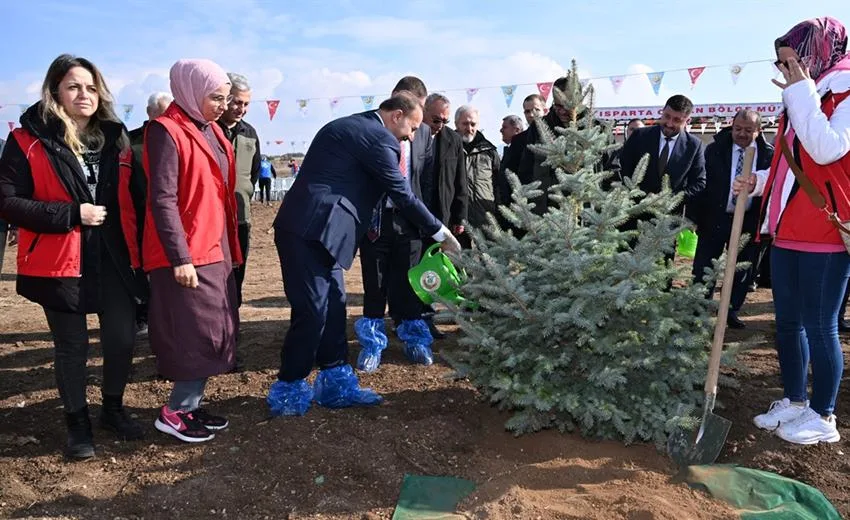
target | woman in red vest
x=66, y=182
x=809, y=262
x=191, y=246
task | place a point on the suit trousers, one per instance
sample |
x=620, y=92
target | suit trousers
x=314, y=285
x=712, y=242
x=384, y=264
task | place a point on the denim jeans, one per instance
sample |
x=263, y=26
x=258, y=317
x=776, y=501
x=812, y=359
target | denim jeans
x=807, y=293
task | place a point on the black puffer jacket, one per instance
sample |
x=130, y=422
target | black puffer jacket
x=99, y=244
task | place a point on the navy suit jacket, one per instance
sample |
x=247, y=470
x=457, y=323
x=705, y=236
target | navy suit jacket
x=349, y=166
x=685, y=167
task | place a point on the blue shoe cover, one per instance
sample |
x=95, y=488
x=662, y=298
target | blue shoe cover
x=338, y=387
x=289, y=398
x=373, y=340
x=417, y=341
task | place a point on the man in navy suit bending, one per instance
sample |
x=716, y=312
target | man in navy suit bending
x=672, y=151
x=352, y=162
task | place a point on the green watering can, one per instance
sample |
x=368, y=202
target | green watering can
x=436, y=275
x=686, y=243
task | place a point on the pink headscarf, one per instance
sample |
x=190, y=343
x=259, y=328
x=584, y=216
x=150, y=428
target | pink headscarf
x=820, y=43
x=192, y=81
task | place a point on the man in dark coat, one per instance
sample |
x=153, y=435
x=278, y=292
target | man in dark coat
x=672, y=152
x=352, y=162
x=713, y=208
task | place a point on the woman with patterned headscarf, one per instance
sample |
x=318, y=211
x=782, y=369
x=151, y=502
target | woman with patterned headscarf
x=809, y=262
x=191, y=246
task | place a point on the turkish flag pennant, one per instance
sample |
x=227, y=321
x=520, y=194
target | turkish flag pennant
x=694, y=73
x=278, y=141
x=11, y=125
x=273, y=104
x=545, y=89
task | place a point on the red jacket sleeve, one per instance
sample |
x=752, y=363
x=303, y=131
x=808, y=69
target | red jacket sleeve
x=128, y=208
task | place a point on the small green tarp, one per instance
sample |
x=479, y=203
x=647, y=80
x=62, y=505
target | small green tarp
x=760, y=495
x=431, y=498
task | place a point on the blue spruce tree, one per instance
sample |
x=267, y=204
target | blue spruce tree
x=577, y=325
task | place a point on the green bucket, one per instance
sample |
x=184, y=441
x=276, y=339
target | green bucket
x=436, y=275
x=686, y=243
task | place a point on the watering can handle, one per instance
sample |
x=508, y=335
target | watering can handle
x=431, y=249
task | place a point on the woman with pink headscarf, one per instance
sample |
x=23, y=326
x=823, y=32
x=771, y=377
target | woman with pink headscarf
x=190, y=246
x=809, y=262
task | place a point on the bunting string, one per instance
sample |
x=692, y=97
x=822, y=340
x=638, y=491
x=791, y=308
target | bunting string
x=655, y=78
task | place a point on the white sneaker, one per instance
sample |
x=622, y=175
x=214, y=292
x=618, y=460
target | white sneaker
x=780, y=412
x=809, y=428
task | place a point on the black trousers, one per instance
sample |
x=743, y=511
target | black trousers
x=384, y=264
x=117, y=337
x=315, y=288
x=711, y=244
x=266, y=187
x=244, y=232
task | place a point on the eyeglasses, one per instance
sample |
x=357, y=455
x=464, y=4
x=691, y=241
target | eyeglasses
x=221, y=100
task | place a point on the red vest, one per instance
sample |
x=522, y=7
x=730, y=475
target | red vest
x=203, y=202
x=801, y=221
x=46, y=254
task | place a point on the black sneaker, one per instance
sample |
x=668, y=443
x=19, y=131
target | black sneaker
x=182, y=425
x=211, y=422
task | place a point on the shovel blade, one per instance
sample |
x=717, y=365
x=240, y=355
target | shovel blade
x=688, y=448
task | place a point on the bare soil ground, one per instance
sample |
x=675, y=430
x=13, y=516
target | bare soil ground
x=341, y=464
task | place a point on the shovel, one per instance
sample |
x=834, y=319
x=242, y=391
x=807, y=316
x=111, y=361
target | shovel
x=682, y=446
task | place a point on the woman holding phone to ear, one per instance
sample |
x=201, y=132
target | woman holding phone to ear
x=809, y=262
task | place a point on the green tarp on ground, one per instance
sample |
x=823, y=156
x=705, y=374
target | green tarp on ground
x=760, y=495
x=430, y=498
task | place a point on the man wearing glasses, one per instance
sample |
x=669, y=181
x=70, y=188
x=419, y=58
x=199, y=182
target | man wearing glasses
x=246, y=149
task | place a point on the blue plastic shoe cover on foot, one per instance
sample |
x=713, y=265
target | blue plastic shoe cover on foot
x=338, y=387
x=417, y=341
x=290, y=398
x=373, y=340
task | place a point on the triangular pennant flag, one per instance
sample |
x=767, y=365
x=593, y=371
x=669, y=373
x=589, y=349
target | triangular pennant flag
x=694, y=73
x=617, y=82
x=304, y=144
x=278, y=141
x=655, y=79
x=128, y=109
x=470, y=93
x=302, y=106
x=716, y=125
x=23, y=107
x=1, y=107
x=272, y=104
x=368, y=102
x=292, y=144
x=702, y=126
x=735, y=70
x=334, y=104
x=11, y=125
x=268, y=143
x=584, y=83
x=544, y=89
x=508, y=92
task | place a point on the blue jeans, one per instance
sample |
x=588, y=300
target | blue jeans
x=807, y=293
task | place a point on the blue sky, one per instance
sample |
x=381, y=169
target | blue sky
x=291, y=50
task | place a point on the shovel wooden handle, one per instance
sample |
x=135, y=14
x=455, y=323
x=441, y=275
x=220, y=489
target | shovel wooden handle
x=728, y=277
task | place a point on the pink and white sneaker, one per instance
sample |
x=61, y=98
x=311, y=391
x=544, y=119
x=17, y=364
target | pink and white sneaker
x=183, y=425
